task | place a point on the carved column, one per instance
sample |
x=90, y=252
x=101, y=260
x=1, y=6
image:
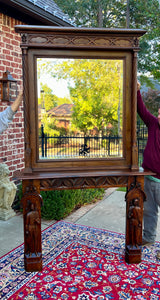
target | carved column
x=134, y=166
x=134, y=216
x=27, y=124
x=31, y=202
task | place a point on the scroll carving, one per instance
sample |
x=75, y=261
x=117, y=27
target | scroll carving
x=135, y=42
x=83, y=182
x=24, y=38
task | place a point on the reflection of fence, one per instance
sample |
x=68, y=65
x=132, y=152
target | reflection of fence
x=58, y=147
x=142, y=135
x=79, y=146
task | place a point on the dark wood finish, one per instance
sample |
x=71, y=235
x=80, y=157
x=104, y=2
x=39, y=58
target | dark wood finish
x=32, y=226
x=80, y=173
x=134, y=215
x=34, y=183
x=57, y=42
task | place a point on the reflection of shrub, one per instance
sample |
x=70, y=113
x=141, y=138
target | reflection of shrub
x=62, y=140
x=58, y=204
x=63, y=130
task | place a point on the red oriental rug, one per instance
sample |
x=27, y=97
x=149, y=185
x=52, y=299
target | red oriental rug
x=81, y=263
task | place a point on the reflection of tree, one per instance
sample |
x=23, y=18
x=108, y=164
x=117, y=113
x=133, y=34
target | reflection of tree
x=120, y=101
x=95, y=92
x=47, y=99
x=49, y=124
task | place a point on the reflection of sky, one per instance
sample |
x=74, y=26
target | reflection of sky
x=59, y=87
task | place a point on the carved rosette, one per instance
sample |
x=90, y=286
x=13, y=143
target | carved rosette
x=24, y=38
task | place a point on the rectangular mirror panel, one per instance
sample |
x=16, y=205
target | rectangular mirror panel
x=80, y=108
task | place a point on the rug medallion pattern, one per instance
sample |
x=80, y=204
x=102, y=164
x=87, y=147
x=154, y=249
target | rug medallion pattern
x=81, y=263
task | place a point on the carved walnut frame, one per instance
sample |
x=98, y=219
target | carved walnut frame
x=37, y=41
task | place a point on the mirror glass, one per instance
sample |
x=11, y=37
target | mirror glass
x=80, y=108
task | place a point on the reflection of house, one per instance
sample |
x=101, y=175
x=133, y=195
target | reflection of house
x=62, y=114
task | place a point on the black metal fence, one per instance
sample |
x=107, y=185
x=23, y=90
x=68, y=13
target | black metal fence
x=59, y=147
x=142, y=136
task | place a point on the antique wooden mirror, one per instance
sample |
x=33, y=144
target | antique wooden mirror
x=82, y=134
x=92, y=75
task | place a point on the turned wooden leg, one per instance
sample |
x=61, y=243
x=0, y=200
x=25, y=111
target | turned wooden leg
x=134, y=217
x=31, y=202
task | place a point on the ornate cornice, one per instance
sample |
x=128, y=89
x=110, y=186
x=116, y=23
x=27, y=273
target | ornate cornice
x=86, y=38
x=59, y=40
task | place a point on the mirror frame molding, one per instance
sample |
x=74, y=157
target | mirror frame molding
x=40, y=41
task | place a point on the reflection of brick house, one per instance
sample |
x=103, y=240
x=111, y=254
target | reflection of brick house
x=29, y=12
x=62, y=114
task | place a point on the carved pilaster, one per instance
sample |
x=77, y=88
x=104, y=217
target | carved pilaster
x=134, y=216
x=32, y=201
x=28, y=168
x=134, y=115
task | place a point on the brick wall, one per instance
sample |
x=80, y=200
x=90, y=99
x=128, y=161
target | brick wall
x=12, y=140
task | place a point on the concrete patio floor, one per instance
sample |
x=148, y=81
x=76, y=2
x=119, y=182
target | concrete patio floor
x=108, y=213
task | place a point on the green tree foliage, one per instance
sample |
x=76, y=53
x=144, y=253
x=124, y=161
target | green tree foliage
x=107, y=13
x=48, y=96
x=62, y=100
x=47, y=99
x=93, y=13
x=146, y=15
x=94, y=89
x=50, y=125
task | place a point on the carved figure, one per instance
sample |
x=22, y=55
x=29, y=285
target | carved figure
x=134, y=215
x=7, y=188
x=32, y=229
